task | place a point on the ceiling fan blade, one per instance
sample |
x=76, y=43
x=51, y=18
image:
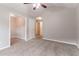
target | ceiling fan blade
x=27, y=3
x=44, y=6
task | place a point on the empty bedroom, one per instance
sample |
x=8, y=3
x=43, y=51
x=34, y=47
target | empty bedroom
x=39, y=29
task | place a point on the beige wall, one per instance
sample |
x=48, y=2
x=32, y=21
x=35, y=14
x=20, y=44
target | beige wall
x=18, y=27
x=77, y=11
x=30, y=28
x=13, y=26
x=60, y=25
x=4, y=25
x=4, y=28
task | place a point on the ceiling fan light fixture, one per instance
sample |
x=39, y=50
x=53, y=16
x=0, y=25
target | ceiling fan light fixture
x=39, y=18
x=36, y=5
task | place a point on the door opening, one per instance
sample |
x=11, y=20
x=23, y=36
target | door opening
x=38, y=28
x=17, y=26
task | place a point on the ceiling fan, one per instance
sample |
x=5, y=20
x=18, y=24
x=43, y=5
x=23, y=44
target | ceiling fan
x=37, y=5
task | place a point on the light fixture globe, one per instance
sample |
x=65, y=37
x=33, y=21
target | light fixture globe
x=39, y=18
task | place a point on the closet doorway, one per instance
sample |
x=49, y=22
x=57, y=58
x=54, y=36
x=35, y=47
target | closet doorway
x=17, y=28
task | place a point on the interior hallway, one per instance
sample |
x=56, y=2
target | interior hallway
x=39, y=47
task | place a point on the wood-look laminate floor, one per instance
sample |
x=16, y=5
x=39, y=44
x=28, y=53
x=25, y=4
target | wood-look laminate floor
x=40, y=47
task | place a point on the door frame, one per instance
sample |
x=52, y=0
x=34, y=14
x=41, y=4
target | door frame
x=10, y=15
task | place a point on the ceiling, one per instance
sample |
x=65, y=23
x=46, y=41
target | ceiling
x=27, y=9
x=15, y=6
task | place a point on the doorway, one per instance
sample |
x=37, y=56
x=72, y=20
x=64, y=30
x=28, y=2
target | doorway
x=38, y=28
x=17, y=26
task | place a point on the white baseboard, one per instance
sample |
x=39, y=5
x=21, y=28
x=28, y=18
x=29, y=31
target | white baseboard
x=61, y=41
x=5, y=47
